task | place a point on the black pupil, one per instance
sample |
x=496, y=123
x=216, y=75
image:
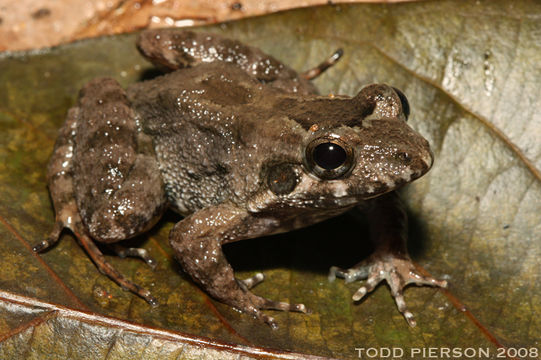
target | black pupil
x=329, y=155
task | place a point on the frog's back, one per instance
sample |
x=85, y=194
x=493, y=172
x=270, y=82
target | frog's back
x=198, y=118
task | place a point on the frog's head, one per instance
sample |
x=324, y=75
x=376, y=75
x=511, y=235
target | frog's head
x=363, y=148
x=372, y=154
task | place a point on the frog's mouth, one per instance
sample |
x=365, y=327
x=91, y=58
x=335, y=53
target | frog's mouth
x=370, y=193
x=346, y=190
x=337, y=199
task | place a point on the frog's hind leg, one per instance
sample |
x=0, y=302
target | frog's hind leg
x=171, y=49
x=105, y=268
x=51, y=239
x=96, y=255
x=60, y=182
x=120, y=193
x=102, y=108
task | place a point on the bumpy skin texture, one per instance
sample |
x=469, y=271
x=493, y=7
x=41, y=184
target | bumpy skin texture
x=228, y=139
x=113, y=177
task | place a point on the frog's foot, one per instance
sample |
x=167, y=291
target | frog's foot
x=96, y=255
x=267, y=304
x=398, y=272
x=105, y=268
x=261, y=303
x=51, y=239
x=143, y=254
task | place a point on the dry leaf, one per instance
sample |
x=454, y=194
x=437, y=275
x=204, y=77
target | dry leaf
x=471, y=71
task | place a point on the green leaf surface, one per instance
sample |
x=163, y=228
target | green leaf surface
x=471, y=71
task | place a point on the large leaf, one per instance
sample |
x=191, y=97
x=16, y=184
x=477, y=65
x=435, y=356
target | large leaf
x=471, y=71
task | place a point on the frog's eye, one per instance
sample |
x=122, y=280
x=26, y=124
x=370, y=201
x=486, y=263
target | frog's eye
x=404, y=102
x=328, y=158
x=329, y=155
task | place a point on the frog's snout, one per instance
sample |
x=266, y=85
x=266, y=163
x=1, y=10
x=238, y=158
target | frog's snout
x=428, y=158
x=422, y=161
x=425, y=156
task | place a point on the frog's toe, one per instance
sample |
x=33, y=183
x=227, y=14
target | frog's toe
x=269, y=320
x=397, y=272
x=134, y=252
x=253, y=281
x=349, y=275
x=267, y=304
x=248, y=302
x=51, y=239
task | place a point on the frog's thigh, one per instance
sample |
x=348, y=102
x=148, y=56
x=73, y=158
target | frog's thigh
x=119, y=191
x=173, y=49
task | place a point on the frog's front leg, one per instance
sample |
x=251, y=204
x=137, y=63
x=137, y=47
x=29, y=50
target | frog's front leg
x=197, y=241
x=390, y=261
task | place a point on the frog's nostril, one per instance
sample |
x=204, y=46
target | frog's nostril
x=404, y=156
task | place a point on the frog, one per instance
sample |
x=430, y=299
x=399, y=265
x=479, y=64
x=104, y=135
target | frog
x=241, y=146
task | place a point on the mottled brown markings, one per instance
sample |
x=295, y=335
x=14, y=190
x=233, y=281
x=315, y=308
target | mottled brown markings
x=179, y=51
x=308, y=113
x=226, y=93
x=214, y=132
x=97, y=140
x=129, y=222
x=49, y=270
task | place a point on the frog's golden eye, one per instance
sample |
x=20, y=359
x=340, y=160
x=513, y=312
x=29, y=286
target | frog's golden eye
x=404, y=102
x=328, y=158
